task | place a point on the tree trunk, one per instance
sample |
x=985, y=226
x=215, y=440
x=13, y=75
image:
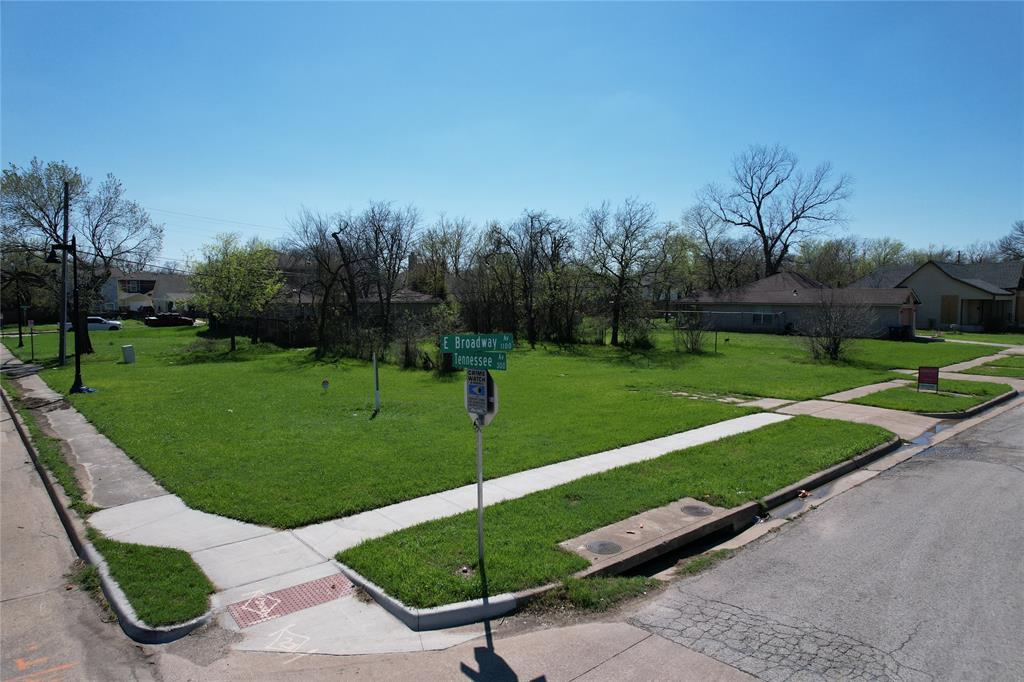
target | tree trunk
x=616, y=311
x=231, y=330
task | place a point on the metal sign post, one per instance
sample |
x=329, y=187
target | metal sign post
x=32, y=337
x=481, y=404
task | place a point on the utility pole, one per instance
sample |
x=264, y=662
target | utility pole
x=62, y=332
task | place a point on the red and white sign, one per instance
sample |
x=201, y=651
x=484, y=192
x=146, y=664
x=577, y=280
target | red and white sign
x=928, y=378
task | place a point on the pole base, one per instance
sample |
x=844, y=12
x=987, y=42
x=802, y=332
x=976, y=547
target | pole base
x=78, y=388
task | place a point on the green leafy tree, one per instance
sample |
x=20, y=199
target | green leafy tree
x=235, y=280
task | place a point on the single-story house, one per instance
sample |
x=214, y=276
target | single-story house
x=126, y=292
x=781, y=302
x=972, y=296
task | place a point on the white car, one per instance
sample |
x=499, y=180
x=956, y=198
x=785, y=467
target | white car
x=99, y=324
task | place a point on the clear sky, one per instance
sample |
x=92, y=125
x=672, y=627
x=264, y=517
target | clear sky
x=247, y=112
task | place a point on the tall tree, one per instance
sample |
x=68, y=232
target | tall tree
x=235, y=280
x=623, y=249
x=531, y=241
x=115, y=233
x=1011, y=247
x=389, y=232
x=778, y=203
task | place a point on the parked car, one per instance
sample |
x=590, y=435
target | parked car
x=98, y=324
x=168, y=320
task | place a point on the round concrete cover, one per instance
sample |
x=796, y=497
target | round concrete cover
x=697, y=510
x=604, y=547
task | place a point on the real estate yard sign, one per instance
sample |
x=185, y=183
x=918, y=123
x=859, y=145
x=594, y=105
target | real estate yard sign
x=928, y=378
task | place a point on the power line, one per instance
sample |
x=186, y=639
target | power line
x=218, y=220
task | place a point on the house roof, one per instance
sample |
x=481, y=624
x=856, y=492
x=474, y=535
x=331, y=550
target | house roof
x=790, y=288
x=992, y=278
x=885, y=276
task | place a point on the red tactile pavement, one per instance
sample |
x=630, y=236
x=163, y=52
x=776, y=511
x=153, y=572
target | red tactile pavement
x=262, y=607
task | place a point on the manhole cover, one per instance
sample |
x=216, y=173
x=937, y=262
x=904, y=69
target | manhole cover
x=604, y=547
x=697, y=510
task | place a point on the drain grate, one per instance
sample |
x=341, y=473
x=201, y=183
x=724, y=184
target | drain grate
x=604, y=547
x=697, y=510
x=262, y=607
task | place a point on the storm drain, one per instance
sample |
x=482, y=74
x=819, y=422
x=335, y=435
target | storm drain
x=697, y=510
x=604, y=547
x=261, y=607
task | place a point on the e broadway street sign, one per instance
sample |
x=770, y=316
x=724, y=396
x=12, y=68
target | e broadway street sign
x=451, y=343
x=479, y=360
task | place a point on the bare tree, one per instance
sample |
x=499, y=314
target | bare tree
x=117, y=233
x=389, y=234
x=531, y=241
x=830, y=326
x=313, y=237
x=1011, y=247
x=781, y=205
x=721, y=256
x=440, y=253
x=623, y=251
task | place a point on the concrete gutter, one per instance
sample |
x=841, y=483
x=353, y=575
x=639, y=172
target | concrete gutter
x=130, y=623
x=464, y=613
x=1010, y=395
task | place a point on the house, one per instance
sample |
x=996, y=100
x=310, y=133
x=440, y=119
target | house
x=972, y=296
x=127, y=292
x=781, y=302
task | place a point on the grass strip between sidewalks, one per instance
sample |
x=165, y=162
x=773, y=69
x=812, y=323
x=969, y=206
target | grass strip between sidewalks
x=1006, y=366
x=421, y=565
x=954, y=396
x=164, y=585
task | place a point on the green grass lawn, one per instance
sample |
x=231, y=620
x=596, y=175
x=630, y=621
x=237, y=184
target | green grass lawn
x=420, y=565
x=1008, y=338
x=164, y=586
x=1004, y=366
x=253, y=436
x=953, y=396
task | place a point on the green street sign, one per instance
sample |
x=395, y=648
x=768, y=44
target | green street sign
x=451, y=343
x=476, y=359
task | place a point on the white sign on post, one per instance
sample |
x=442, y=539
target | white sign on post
x=481, y=396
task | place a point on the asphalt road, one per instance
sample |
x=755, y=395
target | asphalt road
x=917, y=574
x=48, y=632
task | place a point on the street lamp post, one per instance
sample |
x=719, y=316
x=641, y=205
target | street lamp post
x=77, y=386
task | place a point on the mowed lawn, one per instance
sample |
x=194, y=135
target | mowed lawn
x=1003, y=366
x=1010, y=338
x=953, y=396
x=255, y=437
x=421, y=565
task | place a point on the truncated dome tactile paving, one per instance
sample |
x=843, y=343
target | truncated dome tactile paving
x=261, y=607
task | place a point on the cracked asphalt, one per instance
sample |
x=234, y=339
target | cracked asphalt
x=918, y=574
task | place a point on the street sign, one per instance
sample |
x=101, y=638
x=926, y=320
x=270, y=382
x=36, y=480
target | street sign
x=31, y=323
x=451, y=343
x=481, y=396
x=479, y=360
x=928, y=378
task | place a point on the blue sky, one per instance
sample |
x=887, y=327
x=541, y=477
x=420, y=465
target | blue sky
x=247, y=112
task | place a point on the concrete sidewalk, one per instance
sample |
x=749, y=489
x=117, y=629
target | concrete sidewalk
x=861, y=391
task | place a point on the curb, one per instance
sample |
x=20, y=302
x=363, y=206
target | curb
x=464, y=613
x=130, y=623
x=790, y=492
x=970, y=412
x=447, y=616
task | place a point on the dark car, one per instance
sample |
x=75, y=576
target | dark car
x=168, y=320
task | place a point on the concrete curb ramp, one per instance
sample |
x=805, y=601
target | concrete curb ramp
x=130, y=623
x=464, y=613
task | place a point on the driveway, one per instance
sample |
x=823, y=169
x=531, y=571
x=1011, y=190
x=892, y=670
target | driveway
x=915, y=575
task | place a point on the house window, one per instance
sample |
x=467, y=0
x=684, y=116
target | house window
x=137, y=286
x=762, y=318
